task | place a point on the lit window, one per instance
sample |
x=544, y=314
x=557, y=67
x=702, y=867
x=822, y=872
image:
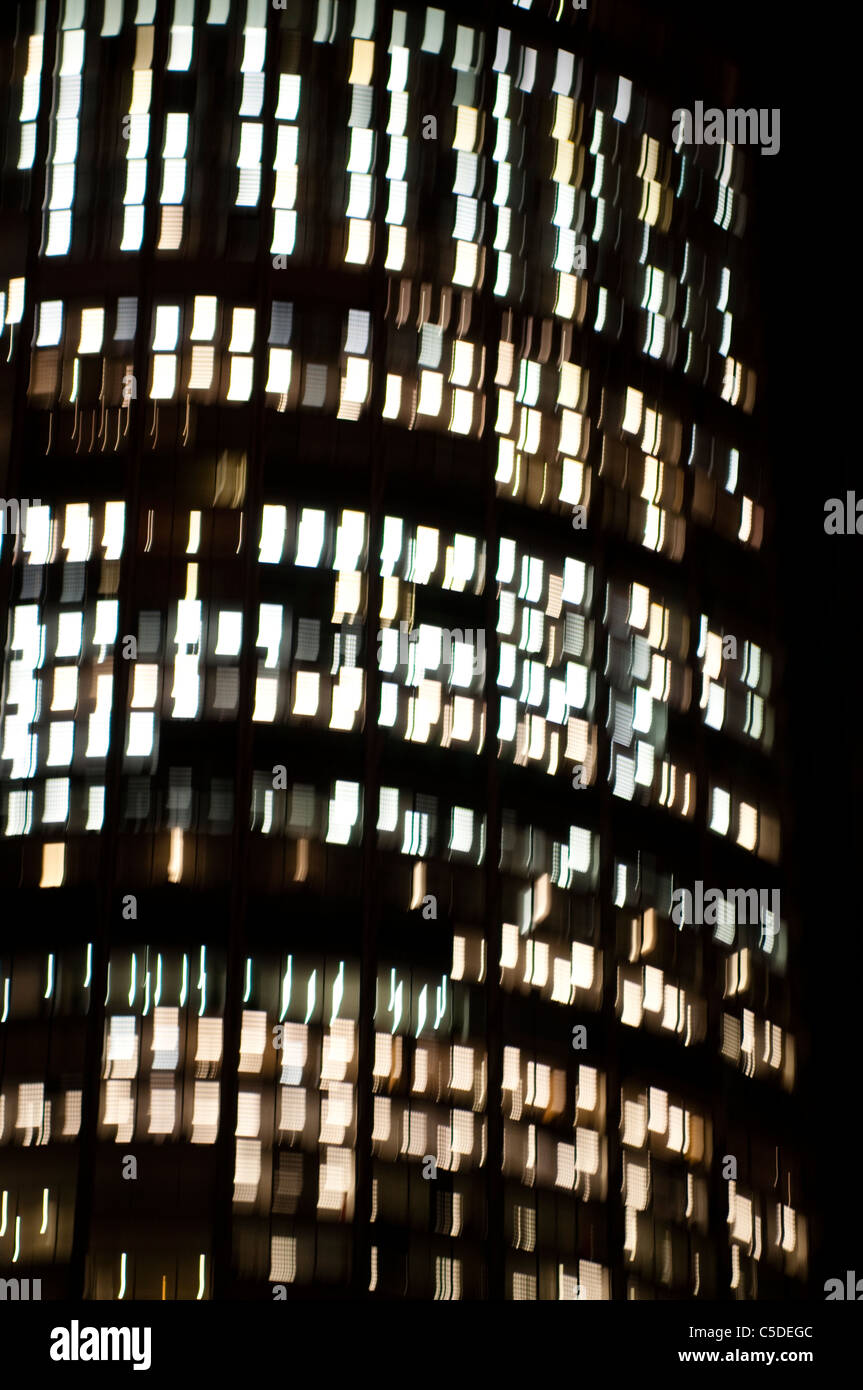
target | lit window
x=240, y=383
x=359, y=242
x=289, y=97
x=50, y=323
x=204, y=320
x=279, y=378
x=274, y=524
x=310, y=537
x=465, y=269
x=431, y=393
x=65, y=696
x=69, y=633
x=243, y=331
x=720, y=812
x=307, y=693
x=201, y=368
x=164, y=376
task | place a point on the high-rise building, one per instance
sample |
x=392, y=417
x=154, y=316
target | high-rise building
x=393, y=747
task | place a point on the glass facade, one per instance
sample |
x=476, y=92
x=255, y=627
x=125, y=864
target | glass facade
x=391, y=641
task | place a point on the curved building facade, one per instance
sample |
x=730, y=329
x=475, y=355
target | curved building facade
x=392, y=736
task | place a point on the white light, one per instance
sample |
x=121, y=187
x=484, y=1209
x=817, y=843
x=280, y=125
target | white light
x=285, y=191
x=343, y=812
x=398, y=157
x=280, y=370
x=146, y=686
x=15, y=310
x=462, y=830
x=204, y=320
x=164, y=376
x=50, y=323
x=115, y=527
x=66, y=688
x=431, y=393
x=350, y=538
x=37, y=535
x=141, y=729
x=464, y=138
x=425, y=554
x=287, y=147
x=289, y=97
x=133, y=229
x=284, y=233
x=338, y=992
x=274, y=524
x=167, y=330
x=201, y=369
x=360, y=196
x=465, y=269
x=243, y=331
x=202, y=981
x=173, y=182
x=310, y=537
x=355, y=387
x=180, y=55
x=56, y=810
x=105, y=633
x=307, y=695
x=720, y=815
x=242, y=373
x=59, y=233
x=95, y=820
x=398, y=77
x=391, y=546
x=359, y=242
x=270, y=631
x=79, y=531
x=251, y=141
x=393, y=399
x=230, y=634
x=188, y=622
x=27, y=634
x=633, y=411
x=249, y=188
x=72, y=61
x=462, y=411
x=254, y=50
x=176, y=135
x=624, y=100
x=138, y=146
x=266, y=699
x=361, y=151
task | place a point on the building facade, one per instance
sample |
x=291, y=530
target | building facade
x=390, y=640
